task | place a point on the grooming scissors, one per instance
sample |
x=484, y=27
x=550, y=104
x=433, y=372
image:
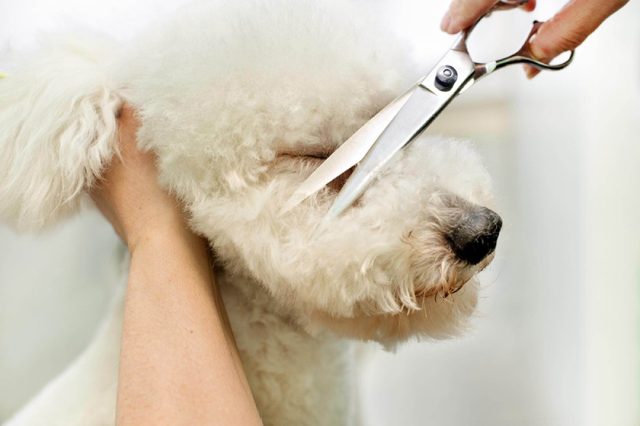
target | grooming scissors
x=397, y=124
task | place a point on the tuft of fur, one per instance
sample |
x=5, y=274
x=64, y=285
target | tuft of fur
x=57, y=130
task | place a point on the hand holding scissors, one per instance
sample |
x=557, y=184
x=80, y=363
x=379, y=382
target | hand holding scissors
x=565, y=31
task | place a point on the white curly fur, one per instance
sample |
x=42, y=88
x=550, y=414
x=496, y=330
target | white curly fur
x=57, y=129
x=233, y=96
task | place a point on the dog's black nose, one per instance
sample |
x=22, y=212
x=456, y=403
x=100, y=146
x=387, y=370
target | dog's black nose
x=475, y=235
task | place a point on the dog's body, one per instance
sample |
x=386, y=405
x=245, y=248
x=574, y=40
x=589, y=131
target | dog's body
x=239, y=101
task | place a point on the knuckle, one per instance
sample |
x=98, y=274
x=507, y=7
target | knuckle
x=467, y=9
x=549, y=44
x=569, y=40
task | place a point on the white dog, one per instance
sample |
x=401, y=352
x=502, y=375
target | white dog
x=241, y=101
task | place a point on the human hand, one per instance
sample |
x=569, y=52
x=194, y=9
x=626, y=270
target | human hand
x=564, y=31
x=129, y=195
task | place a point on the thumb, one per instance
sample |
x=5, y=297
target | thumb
x=463, y=13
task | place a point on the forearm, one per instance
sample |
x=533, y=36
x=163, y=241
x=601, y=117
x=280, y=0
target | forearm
x=179, y=364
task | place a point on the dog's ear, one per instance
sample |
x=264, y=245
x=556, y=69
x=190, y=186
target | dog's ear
x=57, y=129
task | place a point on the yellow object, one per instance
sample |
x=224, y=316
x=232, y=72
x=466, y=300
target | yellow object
x=2, y=75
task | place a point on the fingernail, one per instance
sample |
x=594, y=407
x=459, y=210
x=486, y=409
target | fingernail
x=535, y=50
x=446, y=21
x=454, y=26
x=530, y=5
x=530, y=71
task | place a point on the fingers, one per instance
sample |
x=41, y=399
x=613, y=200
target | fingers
x=463, y=13
x=565, y=31
x=529, y=6
x=569, y=28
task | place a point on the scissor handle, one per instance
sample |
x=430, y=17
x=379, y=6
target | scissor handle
x=524, y=56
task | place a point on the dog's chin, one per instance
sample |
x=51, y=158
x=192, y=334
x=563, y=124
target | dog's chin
x=436, y=310
x=436, y=318
x=456, y=281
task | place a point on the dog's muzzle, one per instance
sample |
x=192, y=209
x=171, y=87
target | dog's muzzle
x=475, y=235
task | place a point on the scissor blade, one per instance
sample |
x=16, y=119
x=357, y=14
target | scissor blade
x=348, y=154
x=418, y=111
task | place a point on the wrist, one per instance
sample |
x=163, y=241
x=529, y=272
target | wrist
x=170, y=248
x=158, y=233
x=147, y=217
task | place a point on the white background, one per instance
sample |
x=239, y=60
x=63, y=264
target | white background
x=557, y=337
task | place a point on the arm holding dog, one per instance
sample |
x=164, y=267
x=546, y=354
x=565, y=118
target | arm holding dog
x=177, y=346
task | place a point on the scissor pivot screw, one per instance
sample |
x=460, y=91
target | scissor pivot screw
x=446, y=77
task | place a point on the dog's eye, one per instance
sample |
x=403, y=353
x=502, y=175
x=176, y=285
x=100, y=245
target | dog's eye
x=310, y=152
x=311, y=155
x=317, y=156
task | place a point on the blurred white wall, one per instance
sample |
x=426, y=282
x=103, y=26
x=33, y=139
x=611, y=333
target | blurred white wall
x=557, y=337
x=54, y=290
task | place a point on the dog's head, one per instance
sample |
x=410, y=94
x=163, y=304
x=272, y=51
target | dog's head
x=400, y=262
